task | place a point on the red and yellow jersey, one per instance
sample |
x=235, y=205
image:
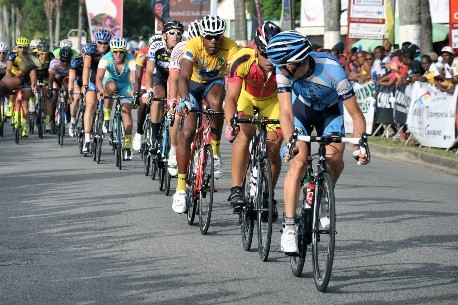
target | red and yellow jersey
x=140, y=58
x=244, y=68
x=208, y=67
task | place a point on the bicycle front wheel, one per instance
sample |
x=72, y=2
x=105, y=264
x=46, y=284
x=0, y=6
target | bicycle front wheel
x=61, y=126
x=264, y=207
x=303, y=231
x=98, y=151
x=206, y=190
x=247, y=215
x=191, y=201
x=324, y=230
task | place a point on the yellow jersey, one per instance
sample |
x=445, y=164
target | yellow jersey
x=207, y=67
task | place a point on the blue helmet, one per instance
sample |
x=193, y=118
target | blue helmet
x=288, y=47
x=103, y=35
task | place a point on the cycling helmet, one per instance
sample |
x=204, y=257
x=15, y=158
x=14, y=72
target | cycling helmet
x=34, y=43
x=43, y=46
x=118, y=43
x=174, y=24
x=103, y=35
x=193, y=29
x=154, y=38
x=288, y=47
x=4, y=47
x=66, y=43
x=212, y=25
x=22, y=41
x=65, y=53
x=264, y=33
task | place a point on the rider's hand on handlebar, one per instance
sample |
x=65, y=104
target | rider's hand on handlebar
x=231, y=133
x=184, y=107
x=361, y=157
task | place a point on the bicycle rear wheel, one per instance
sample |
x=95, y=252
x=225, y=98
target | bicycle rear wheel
x=264, y=207
x=40, y=118
x=168, y=178
x=247, y=215
x=191, y=201
x=2, y=116
x=98, y=150
x=206, y=190
x=303, y=229
x=323, y=238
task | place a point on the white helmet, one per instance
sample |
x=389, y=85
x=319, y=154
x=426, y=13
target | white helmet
x=4, y=47
x=193, y=29
x=66, y=43
x=34, y=43
x=212, y=25
x=118, y=43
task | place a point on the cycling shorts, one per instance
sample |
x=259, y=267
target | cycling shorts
x=199, y=91
x=124, y=89
x=327, y=122
x=268, y=107
x=158, y=79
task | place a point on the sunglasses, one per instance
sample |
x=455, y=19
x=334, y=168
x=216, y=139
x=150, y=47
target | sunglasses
x=263, y=54
x=19, y=47
x=104, y=43
x=3, y=52
x=172, y=33
x=211, y=37
x=119, y=52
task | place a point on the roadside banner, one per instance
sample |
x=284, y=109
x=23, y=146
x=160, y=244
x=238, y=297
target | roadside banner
x=384, y=111
x=187, y=11
x=366, y=102
x=105, y=14
x=431, y=117
x=402, y=103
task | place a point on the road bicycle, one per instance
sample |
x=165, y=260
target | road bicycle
x=2, y=114
x=40, y=110
x=79, y=125
x=159, y=161
x=97, y=131
x=118, y=134
x=257, y=188
x=61, y=115
x=318, y=209
x=17, y=119
x=200, y=178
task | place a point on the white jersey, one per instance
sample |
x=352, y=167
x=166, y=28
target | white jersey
x=175, y=57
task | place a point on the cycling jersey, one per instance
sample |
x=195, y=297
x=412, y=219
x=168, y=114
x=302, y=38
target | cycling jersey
x=76, y=64
x=245, y=69
x=140, y=60
x=2, y=68
x=159, y=54
x=94, y=54
x=176, y=56
x=16, y=61
x=56, y=53
x=58, y=69
x=208, y=67
x=108, y=63
x=318, y=96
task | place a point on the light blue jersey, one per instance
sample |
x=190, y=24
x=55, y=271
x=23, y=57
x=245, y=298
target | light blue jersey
x=122, y=79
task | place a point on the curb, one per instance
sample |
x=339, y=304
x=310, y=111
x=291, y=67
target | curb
x=415, y=157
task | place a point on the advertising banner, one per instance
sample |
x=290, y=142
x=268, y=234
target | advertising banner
x=161, y=11
x=367, y=19
x=187, y=11
x=454, y=24
x=105, y=14
x=366, y=102
x=431, y=117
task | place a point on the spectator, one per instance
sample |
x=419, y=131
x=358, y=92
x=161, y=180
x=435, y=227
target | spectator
x=380, y=61
x=338, y=51
x=431, y=70
x=446, y=83
x=396, y=72
x=415, y=70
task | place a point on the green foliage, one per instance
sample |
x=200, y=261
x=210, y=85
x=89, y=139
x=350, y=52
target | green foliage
x=271, y=9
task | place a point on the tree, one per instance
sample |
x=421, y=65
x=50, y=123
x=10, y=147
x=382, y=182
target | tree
x=426, y=43
x=58, y=8
x=49, y=8
x=332, y=35
x=240, y=22
x=409, y=21
x=80, y=20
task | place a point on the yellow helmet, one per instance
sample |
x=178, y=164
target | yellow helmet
x=22, y=42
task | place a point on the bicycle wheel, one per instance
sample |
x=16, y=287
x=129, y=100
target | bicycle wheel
x=154, y=167
x=31, y=123
x=168, y=178
x=98, y=151
x=247, y=215
x=303, y=230
x=2, y=116
x=264, y=206
x=191, y=201
x=323, y=239
x=18, y=130
x=62, y=126
x=206, y=190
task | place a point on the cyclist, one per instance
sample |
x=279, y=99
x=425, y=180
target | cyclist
x=4, y=49
x=20, y=64
x=92, y=53
x=140, y=80
x=116, y=71
x=156, y=74
x=45, y=57
x=75, y=83
x=65, y=43
x=58, y=77
x=172, y=93
x=252, y=84
x=202, y=77
x=312, y=90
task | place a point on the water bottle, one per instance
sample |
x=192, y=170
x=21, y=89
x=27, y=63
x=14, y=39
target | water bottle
x=309, y=194
x=253, y=181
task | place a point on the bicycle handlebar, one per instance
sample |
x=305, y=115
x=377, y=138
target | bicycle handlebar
x=263, y=121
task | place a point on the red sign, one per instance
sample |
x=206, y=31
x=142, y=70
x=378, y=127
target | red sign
x=453, y=36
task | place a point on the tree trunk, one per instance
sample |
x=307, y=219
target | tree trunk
x=240, y=22
x=426, y=43
x=409, y=21
x=58, y=8
x=18, y=13
x=49, y=8
x=80, y=22
x=5, y=24
x=332, y=35
x=13, y=28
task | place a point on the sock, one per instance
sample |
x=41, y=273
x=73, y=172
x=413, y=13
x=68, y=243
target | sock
x=106, y=114
x=181, y=185
x=215, y=147
x=290, y=223
x=47, y=119
x=155, y=130
x=87, y=137
x=73, y=120
x=128, y=141
x=173, y=150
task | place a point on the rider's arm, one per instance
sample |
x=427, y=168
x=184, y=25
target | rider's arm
x=33, y=79
x=286, y=114
x=98, y=80
x=138, y=77
x=185, y=76
x=71, y=79
x=149, y=75
x=86, y=69
x=232, y=96
x=173, y=86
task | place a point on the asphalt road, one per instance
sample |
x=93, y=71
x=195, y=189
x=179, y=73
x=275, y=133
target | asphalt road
x=76, y=232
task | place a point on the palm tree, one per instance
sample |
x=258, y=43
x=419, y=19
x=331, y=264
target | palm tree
x=80, y=20
x=58, y=7
x=426, y=43
x=409, y=21
x=49, y=8
x=332, y=10
x=240, y=22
